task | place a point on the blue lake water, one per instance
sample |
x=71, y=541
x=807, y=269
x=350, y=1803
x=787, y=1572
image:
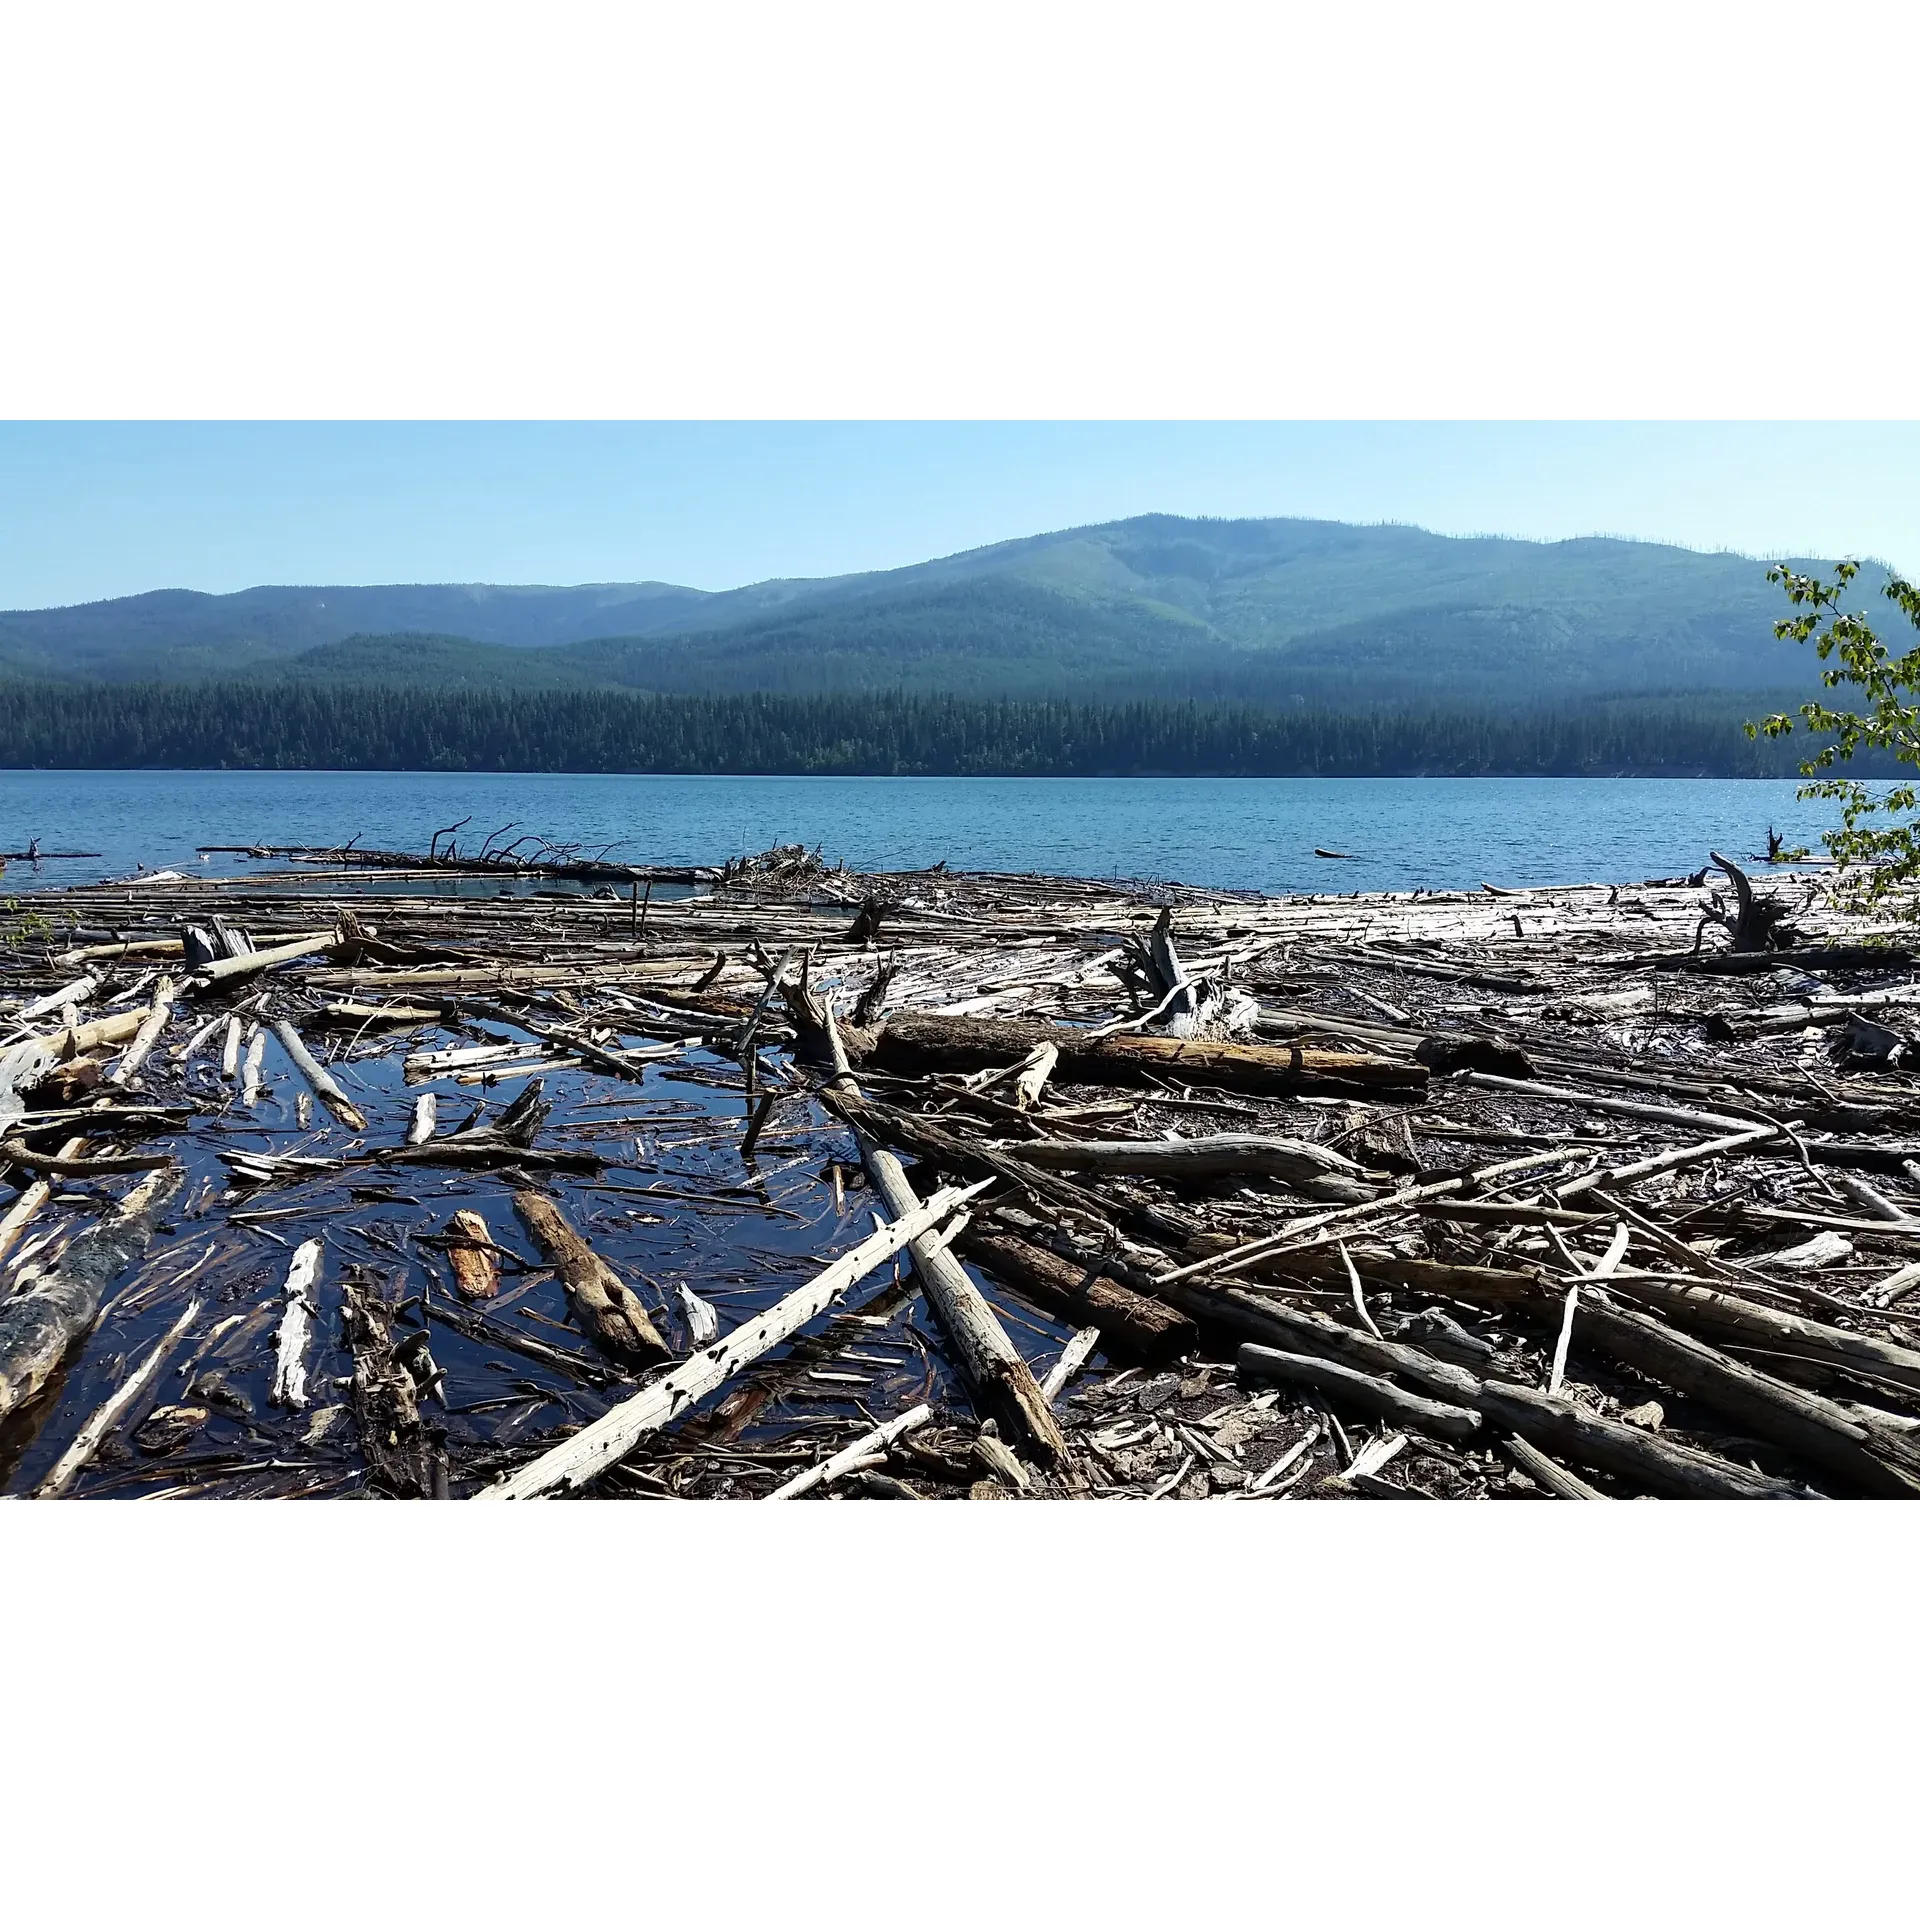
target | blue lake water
x=1229, y=833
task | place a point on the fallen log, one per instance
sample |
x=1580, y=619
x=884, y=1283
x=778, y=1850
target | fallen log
x=326, y=1088
x=153, y=1024
x=1313, y=1170
x=1547, y=1474
x=20, y=1214
x=610, y=1313
x=1561, y=1427
x=1792, y=1417
x=38, y=1327
x=1001, y=1381
x=1372, y=1395
x=577, y=1461
x=1147, y=1329
x=918, y=1044
x=238, y=966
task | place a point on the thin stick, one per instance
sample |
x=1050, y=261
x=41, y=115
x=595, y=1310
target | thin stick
x=869, y=1447
x=1559, y=1375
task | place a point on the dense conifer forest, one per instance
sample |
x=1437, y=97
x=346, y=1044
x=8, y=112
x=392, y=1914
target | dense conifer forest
x=227, y=724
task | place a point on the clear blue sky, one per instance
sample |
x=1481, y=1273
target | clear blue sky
x=90, y=511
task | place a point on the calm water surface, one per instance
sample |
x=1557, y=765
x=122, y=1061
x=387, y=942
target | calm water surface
x=1229, y=833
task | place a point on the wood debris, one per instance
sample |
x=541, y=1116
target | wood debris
x=793, y=1182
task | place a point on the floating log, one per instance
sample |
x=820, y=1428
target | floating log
x=610, y=1313
x=289, y=1387
x=326, y=1088
x=472, y=1255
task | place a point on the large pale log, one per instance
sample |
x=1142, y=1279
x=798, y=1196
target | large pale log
x=589, y=1453
x=610, y=1313
x=215, y=972
x=152, y=1025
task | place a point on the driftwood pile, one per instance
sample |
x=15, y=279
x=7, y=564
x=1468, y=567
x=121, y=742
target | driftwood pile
x=815, y=1184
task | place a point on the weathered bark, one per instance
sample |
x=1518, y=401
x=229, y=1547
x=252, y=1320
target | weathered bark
x=934, y=1043
x=610, y=1313
x=37, y=1328
x=476, y=1265
x=1148, y=1329
x=403, y=1457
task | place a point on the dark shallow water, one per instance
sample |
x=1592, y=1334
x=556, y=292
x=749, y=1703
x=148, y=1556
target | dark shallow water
x=1228, y=833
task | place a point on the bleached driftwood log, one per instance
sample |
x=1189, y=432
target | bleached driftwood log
x=240, y=965
x=152, y=1025
x=289, y=1387
x=426, y=1116
x=326, y=1088
x=1073, y=1357
x=577, y=1461
x=1001, y=1381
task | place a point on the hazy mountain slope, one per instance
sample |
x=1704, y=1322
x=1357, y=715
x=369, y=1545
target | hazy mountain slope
x=1271, y=610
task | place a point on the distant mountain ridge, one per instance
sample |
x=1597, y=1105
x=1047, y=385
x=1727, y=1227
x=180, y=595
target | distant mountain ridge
x=1271, y=611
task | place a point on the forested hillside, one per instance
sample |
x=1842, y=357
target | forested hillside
x=593, y=731
x=1286, y=612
